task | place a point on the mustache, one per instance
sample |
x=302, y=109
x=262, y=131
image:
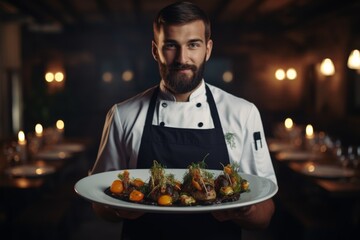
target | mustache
x=179, y=66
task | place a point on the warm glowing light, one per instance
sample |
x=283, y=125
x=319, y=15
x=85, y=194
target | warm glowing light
x=127, y=75
x=107, y=77
x=280, y=74
x=38, y=130
x=22, y=182
x=288, y=123
x=323, y=148
x=291, y=74
x=311, y=168
x=60, y=124
x=354, y=60
x=227, y=76
x=309, y=130
x=21, y=137
x=39, y=171
x=49, y=77
x=62, y=155
x=327, y=67
x=59, y=76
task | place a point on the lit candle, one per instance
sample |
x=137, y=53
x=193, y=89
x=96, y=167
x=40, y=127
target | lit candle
x=22, y=145
x=288, y=124
x=309, y=131
x=310, y=167
x=60, y=125
x=60, y=129
x=39, y=130
x=21, y=138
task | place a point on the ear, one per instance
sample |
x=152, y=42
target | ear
x=154, y=50
x=209, y=46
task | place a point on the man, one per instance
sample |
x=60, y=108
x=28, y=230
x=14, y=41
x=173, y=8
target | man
x=178, y=123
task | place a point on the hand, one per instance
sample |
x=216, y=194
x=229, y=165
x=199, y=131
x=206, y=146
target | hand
x=127, y=214
x=253, y=217
x=114, y=214
x=233, y=214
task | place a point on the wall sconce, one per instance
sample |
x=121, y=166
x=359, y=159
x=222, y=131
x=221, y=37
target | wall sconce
x=290, y=74
x=127, y=75
x=55, y=75
x=55, y=81
x=280, y=74
x=227, y=76
x=354, y=60
x=327, y=67
x=107, y=77
x=51, y=77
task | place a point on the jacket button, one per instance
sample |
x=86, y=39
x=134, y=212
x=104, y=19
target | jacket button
x=198, y=105
x=162, y=124
x=200, y=124
x=164, y=104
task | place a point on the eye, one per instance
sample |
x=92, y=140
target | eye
x=194, y=45
x=170, y=46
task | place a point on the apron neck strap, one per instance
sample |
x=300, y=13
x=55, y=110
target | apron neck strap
x=213, y=109
x=151, y=109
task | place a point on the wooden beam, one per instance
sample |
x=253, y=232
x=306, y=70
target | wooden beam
x=51, y=12
x=105, y=11
x=69, y=7
x=25, y=8
x=293, y=16
x=137, y=11
x=219, y=9
x=250, y=10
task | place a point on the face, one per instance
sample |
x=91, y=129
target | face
x=181, y=52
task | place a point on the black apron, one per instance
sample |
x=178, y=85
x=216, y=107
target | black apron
x=177, y=148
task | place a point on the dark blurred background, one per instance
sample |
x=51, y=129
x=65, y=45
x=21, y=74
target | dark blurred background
x=254, y=38
x=103, y=50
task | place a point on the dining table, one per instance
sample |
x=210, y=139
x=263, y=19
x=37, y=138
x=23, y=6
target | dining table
x=316, y=189
x=29, y=189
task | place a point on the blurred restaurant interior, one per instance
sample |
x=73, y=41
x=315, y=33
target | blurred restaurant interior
x=63, y=64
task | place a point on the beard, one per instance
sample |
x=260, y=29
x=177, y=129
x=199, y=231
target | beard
x=179, y=83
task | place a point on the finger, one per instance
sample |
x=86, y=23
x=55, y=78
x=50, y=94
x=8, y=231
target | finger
x=223, y=215
x=244, y=209
x=128, y=214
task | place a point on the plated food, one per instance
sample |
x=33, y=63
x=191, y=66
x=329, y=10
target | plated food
x=199, y=186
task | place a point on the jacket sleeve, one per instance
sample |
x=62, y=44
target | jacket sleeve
x=111, y=153
x=255, y=150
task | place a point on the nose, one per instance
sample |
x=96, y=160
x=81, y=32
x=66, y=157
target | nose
x=182, y=55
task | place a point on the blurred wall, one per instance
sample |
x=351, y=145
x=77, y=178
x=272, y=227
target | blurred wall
x=86, y=55
x=11, y=92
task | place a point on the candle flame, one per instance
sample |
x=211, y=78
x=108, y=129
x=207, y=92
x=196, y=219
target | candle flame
x=21, y=136
x=60, y=124
x=309, y=130
x=311, y=168
x=289, y=123
x=38, y=129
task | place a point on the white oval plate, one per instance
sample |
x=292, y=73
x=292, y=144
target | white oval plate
x=92, y=188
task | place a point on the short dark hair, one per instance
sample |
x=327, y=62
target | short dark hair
x=181, y=13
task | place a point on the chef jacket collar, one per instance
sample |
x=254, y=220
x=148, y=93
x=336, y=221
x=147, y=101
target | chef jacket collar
x=198, y=95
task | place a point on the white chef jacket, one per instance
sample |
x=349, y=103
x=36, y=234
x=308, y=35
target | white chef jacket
x=240, y=119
